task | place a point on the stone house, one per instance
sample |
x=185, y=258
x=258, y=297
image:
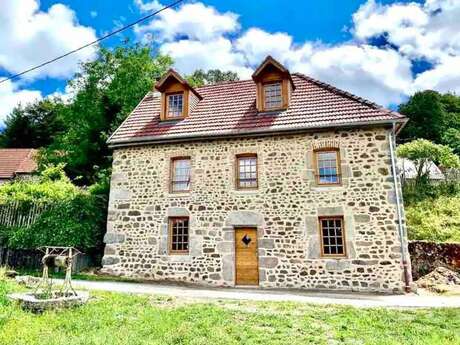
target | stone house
x=281, y=181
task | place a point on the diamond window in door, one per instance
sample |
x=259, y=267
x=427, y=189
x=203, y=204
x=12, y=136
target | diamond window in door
x=246, y=239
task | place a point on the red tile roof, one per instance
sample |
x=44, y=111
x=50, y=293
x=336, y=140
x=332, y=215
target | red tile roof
x=17, y=161
x=229, y=109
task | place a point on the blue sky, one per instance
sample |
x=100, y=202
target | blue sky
x=380, y=50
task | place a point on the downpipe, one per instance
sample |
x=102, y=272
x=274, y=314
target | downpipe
x=400, y=211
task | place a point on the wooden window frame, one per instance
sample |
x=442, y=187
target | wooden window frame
x=344, y=242
x=167, y=117
x=237, y=170
x=172, y=171
x=280, y=82
x=171, y=251
x=316, y=166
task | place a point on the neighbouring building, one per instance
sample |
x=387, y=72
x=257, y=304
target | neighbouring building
x=408, y=170
x=17, y=163
x=281, y=181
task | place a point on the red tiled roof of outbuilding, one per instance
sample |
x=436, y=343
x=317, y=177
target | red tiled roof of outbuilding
x=229, y=109
x=17, y=161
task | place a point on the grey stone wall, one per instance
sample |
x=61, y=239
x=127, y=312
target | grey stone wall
x=285, y=210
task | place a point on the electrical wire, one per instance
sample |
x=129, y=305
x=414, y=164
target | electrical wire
x=91, y=43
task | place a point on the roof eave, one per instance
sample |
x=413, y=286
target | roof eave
x=161, y=140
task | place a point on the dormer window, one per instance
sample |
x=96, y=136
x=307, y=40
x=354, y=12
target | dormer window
x=274, y=86
x=175, y=105
x=272, y=96
x=178, y=98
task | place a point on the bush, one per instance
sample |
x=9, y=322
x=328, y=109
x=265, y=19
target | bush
x=78, y=222
x=52, y=186
x=72, y=217
x=414, y=193
x=434, y=219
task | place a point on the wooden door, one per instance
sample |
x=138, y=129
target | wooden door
x=246, y=260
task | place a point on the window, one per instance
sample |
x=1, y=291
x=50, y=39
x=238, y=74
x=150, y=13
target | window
x=175, y=105
x=332, y=236
x=272, y=96
x=178, y=235
x=180, y=174
x=327, y=167
x=246, y=171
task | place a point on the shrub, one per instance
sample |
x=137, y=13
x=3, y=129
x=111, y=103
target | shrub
x=72, y=216
x=77, y=222
x=52, y=186
x=434, y=219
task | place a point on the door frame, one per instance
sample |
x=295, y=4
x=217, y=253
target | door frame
x=235, y=228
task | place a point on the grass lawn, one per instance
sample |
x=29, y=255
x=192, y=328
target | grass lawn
x=127, y=319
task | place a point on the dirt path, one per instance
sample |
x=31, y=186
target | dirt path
x=351, y=299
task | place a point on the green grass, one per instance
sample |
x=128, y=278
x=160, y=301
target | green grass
x=114, y=319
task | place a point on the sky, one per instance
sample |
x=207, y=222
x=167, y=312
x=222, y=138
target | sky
x=383, y=51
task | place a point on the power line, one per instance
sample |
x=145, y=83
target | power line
x=93, y=42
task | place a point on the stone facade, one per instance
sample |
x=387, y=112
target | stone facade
x=285, y=209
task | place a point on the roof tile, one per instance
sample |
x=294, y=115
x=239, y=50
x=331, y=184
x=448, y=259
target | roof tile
x=17, y=161
x=229, y=109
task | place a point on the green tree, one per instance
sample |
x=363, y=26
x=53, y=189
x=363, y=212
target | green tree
x=106, y=91
x=213, y=76
x=422, y=152
x=34, y=125
x=427, y=118
x=451, y=138
x=431, y=116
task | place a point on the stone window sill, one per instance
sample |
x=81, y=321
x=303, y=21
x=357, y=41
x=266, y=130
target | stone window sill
x=179, y=195
x=247, y=191
x=179, y=257
x=326, y=188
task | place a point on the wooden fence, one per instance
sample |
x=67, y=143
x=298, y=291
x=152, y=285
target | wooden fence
x=32, y=259
x=12, y=214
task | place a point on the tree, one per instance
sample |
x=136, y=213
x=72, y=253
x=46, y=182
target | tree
x=422, y=152
x=431, y=115
x=106, y=91
x=451, y=138
x=213, y=76
x=427, y=118
x=34, y=125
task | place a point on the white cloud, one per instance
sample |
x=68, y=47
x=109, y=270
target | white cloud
x=196, y=21
x=10, y=97
x=190, y=55
x=214, y=41
x=30, y=37
x=380, y=75
x=151, y=6
x=93, y=14
x=430, y=31
x=445, y=77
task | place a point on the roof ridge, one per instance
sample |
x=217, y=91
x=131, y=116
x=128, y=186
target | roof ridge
x=347, y=94
x=224, y=83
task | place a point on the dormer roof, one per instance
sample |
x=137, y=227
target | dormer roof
x=172, y=74
x=271, y=62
